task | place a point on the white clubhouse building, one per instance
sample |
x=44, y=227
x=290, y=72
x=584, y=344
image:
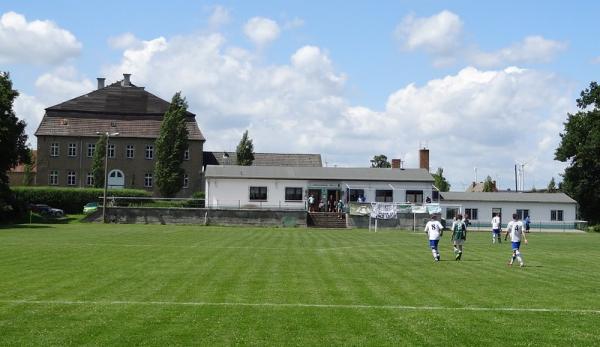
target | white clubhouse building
x=290, y=187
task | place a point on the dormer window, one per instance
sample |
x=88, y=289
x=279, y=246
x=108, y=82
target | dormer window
x=65, y=121
x=113, y=124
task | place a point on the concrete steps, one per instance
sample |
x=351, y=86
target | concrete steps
x=326, y=220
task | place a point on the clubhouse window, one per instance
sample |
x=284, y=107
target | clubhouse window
x=472, y=213
x=355, y=193
x=293, y=193
x=451, y=212
x=522, y=214
x=414, y=196
x=258, y=193
x=384, y=195
x=556, y=215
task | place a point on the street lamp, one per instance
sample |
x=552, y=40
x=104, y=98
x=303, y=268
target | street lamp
x=108, y=135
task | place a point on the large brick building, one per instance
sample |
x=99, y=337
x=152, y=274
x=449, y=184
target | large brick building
x=67, y=136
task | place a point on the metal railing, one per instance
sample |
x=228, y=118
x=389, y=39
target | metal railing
x=534, y=226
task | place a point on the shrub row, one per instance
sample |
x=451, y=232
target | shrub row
x=71, y=200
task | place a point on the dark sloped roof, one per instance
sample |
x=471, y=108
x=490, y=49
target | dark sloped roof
x=318, y=173
x=265, y=159
x=127, y=109
x=507, y=197
x=115, y=99
x=126, y=126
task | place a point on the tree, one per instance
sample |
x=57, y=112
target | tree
x=171, y=145
x=12, y=140
x=440, y=181
x=98, y=161
x=380, y=161
x=579, y=146
x=552, y=186
x=489, y=185
x=245, y=150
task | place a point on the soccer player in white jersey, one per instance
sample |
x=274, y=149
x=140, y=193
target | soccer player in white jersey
x=434, y=230
x=496, y=228
x=515, y=229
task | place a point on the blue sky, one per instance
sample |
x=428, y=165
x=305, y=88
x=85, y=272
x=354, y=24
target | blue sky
x=482, y=84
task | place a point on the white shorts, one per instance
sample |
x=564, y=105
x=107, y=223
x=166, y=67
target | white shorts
x=458, y=242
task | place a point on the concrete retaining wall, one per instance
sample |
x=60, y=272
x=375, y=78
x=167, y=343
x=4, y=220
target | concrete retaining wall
x=130, y=215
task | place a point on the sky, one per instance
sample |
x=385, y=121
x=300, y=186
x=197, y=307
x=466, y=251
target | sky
x=483, y=86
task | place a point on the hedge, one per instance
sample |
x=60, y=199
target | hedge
x=71, y=200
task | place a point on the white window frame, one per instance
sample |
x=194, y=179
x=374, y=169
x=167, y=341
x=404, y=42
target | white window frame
x=130, y=149
x=54, y=149
x=71, y=178
x=53, y=178
x=149, y=153
x=148, y=180
x=72, y=152
x=91, y=149
x=89, y=179
x=250, y=198
x=111, y=150
x=186, y=181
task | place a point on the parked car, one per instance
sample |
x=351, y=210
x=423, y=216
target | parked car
x=46, y=210
x=90, y=207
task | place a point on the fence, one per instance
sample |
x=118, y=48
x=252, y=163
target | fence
x=533, y=226
x=139, y=202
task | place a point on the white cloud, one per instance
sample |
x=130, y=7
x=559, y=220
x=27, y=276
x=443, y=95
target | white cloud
x=293, y=23
x=36, y=42
x=533, y=49
x=439, y=34
x=442, y=37
x=62, y=84
x=218, y=17
x=123, y=41
x=477, y=118
x=261, y=31
x=31, y=110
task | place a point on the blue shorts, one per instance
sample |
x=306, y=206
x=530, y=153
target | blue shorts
x=433, y=244
x=496, y=231
x=516, y=245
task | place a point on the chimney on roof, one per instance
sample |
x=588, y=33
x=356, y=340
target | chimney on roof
x=424, y=158
x=396, y=164
x=101, y=82
x=126, y=79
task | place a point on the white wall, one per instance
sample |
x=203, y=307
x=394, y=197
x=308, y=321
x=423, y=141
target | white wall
x=538, y=212
x=229, y=192
x=224, y=192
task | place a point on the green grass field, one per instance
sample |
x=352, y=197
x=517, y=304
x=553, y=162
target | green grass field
x=79, y=284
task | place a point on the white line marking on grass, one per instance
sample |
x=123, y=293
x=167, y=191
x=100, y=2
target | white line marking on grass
x=299, y=305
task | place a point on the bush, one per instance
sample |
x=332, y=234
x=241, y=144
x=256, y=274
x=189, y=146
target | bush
x=594, y=228
x=71, y=200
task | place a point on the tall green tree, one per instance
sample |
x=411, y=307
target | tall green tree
x=98, y=161
x=245, y=150
x=170, y=147
x=12, y=140
x=552, y=186
x=380, y=161
x=488, y=185
x=440, y=181
x=580, y=147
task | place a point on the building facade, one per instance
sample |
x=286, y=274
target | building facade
x=544, y=208
x=67, y=136
x=290, y=187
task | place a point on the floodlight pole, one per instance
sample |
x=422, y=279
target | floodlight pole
x=108, y=135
